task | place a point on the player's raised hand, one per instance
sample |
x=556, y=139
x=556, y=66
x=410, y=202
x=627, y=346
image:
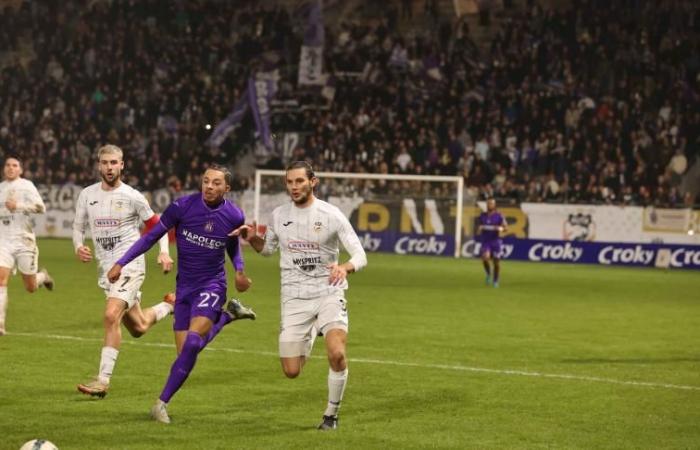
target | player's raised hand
x=247, y=231
x=84, y=253
x=114, y=273
x=338, y=274
x=165, y=261
x=242, y=282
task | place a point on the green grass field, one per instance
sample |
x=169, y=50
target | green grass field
x=561, y=356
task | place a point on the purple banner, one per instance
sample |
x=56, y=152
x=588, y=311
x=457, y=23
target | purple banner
x=261, y=89
x=311, y=55
x=224, y=128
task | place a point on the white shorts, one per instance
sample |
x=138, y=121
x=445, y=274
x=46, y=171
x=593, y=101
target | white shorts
x=22, y=254
x=299, y=316
x=127, y=287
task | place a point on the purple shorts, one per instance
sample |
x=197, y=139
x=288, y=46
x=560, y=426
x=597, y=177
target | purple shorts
x=493, y=247
x=205, y=303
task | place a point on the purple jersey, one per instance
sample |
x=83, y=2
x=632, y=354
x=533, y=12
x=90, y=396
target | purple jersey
x=490, y=223
x=202, y=240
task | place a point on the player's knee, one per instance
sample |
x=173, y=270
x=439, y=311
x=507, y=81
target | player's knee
x=291, y=372
x=336, y=358
x=193, y=343
x=31, y=287
x=137, y=330
x=292, y=368
x=112, y=318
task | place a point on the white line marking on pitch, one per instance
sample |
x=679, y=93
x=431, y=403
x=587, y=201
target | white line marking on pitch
x=396, y=363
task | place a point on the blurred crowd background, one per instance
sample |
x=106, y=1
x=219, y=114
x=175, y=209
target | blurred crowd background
x=580, y=101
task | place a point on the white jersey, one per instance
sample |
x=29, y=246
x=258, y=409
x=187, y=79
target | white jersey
x=17, y=224
x=114, y=218
x=308, y=239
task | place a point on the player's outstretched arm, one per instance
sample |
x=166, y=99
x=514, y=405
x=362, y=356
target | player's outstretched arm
x=164, y=260
x=249, y=233
x=141, y=246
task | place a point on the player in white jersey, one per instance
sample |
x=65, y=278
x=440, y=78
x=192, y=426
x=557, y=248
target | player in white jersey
x=18, y=199
x=308, y=232
x=114, y=211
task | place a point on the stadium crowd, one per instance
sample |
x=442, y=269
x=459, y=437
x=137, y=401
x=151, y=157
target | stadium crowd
x=594, y=103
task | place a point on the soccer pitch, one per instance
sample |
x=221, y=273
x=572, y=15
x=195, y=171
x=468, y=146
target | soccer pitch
x=560, y=356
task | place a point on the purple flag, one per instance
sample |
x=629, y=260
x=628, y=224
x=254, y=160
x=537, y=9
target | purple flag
x=311, y=57
x=261, y=89
x=224, y=128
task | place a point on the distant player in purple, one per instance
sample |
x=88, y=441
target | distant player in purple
x=491, y=226
x=202, y=224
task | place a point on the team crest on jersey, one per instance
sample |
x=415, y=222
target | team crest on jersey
x=119, y=205
x=317, y=226
x=209, y=226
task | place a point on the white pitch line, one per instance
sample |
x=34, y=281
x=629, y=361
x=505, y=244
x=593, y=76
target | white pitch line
x=523, y=373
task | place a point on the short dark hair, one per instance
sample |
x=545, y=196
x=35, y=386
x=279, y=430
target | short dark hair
x=228, y=177
x=13, y=156
x=302, y=165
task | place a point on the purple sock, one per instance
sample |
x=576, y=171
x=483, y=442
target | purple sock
x=183, y=365
x=224, y=320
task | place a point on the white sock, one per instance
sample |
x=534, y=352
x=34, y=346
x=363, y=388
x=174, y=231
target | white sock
x=162, y=309
x=336, y=387
x=107, y=362
x=40, y=278
x=3, y=306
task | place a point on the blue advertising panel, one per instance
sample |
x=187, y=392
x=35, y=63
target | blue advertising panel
x=605, y=253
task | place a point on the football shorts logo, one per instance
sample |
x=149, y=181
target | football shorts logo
x=287, y=224
x=93, y=203
x=209, y=226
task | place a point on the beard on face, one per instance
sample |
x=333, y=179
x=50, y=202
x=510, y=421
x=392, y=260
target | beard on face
x=113, y=181
x=303, y=196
